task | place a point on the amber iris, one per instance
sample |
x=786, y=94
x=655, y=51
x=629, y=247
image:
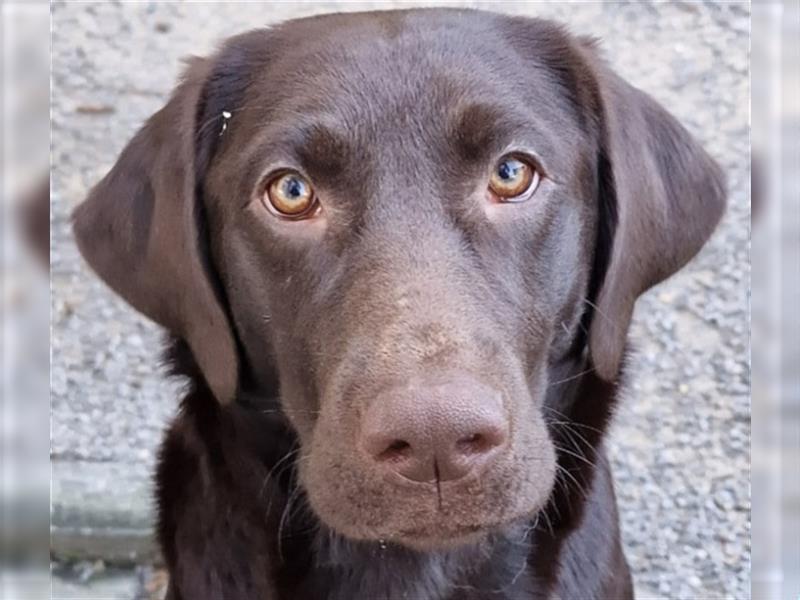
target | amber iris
x=290, y=195
x=511, y=178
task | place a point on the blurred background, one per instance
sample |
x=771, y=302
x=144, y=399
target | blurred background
x=682, y=439
x=24, y=301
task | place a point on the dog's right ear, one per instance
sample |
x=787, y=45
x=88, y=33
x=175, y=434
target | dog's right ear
x=140, y=230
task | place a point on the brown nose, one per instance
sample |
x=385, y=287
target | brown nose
x=441, y=431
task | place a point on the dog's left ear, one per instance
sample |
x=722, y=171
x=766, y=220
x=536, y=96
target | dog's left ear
x=669, y=196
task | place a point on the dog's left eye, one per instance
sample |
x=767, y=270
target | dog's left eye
x=513, y=180
x=291, y=196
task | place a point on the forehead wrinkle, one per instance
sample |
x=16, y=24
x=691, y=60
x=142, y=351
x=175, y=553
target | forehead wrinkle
x=302, y=141
x=324, y=152
x=480, y=132
x=477, y=130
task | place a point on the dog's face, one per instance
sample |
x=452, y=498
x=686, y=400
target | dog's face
x=410, y=232
x=403, y=218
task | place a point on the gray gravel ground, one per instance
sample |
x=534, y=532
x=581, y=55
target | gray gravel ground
x=681, y=440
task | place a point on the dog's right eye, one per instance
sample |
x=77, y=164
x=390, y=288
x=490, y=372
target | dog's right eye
x=513, y=180
x=290, y=195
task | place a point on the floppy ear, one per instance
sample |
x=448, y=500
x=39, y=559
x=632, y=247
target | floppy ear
x=139, y=229
x=669, y=196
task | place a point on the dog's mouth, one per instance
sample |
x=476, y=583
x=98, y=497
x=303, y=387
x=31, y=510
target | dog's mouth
x=444, y=535
x=427, y=526
x=430, y=521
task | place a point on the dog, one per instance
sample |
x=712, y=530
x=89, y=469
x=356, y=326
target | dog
x=397, y=254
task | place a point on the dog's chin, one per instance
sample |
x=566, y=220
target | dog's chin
x=442, y=539
x=442, y=535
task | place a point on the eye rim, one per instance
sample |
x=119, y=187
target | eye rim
x=536, y=177
x=265, y=197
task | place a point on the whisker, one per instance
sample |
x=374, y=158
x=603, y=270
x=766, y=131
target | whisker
x=590, y=449
x=514, y=579
x=576, y=376
x=283, y=411
x=574, y=480
x=571, y=426
x=576, y=455
x=295, y=493
x=549, y=522
x=600, y=312
x=572, y=423
x=293, y=483
x=286, y=456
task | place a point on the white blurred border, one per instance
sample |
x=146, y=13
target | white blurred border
x=775, y=300
x=24, y=308
x=775, y=329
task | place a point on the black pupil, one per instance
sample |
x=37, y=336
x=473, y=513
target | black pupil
x=294, y=188
x=508, y=169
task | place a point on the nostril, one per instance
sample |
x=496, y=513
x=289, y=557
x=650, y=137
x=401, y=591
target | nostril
x=480, y=442
x=396, y=450
x=442, y=430
x=473, y=444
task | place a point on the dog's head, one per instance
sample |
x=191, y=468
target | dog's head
x=408, y=220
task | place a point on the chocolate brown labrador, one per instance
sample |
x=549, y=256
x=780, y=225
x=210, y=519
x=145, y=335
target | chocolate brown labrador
x=397, y=254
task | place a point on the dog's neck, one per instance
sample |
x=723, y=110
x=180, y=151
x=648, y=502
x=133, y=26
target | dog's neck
x=346, y=569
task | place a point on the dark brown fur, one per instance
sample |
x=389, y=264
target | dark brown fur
x=290, y=332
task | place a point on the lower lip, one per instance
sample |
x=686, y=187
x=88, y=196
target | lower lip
x=428, y=537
